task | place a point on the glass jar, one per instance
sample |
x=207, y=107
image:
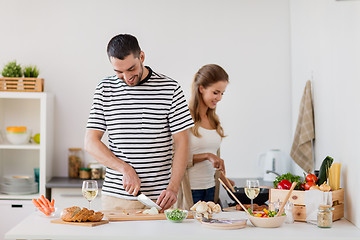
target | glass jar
x=85, y=173
x=75, y=160
x=324, y=216
x=96, y=170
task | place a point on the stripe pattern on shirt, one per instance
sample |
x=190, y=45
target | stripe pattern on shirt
x=140, y=122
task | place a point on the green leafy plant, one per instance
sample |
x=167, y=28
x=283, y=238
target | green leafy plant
x=12, y=70
x=31, y=71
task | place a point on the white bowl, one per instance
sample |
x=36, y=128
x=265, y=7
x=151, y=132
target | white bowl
x=18, y=138
x=267, y=222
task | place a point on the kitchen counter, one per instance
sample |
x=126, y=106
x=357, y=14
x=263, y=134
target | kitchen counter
x=65, y=182
x=37, y=227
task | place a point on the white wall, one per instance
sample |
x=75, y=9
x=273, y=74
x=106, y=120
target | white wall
x=325, y=38
x=250, y=38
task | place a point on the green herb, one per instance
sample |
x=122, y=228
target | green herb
x=176, y=215
x=290, y=177
x=31, y=71
x=12, y=70
x=251, y=213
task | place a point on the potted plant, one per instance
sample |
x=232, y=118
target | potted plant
x=31, y=71
x=13, y=79
x=12, y=70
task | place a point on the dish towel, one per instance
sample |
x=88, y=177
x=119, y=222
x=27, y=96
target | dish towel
x=301, y=150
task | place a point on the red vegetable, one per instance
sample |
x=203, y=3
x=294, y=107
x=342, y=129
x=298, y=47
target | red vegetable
x=311, y=178
x=308, y=185
x=284, y=184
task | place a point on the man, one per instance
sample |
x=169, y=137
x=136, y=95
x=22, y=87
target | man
x=145, y=113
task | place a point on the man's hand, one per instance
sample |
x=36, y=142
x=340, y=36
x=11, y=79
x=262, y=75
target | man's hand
x=131, y=181
x=166, y=199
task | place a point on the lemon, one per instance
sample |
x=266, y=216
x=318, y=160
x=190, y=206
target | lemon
x=36, y=138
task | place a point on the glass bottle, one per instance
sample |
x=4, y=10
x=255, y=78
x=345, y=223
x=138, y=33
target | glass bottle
x=324, y=216
x=75, y=160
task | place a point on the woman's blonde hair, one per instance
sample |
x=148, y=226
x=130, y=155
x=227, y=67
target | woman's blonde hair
x=206, y=76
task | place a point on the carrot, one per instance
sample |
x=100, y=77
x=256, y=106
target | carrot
x=52, y=202
x=35, y=202
x=45, y=200
x=44, y=207
x=45, y=212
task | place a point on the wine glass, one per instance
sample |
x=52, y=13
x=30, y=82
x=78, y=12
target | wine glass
x=90, y=190
x=252, y=190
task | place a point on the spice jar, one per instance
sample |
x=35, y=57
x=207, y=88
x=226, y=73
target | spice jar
x=96, y=171
x=85, y=173
x=75, y=159
x=324, y=216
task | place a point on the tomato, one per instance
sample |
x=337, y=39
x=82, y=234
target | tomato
x=311, y=178
x=308, y=185
x=302, y=186
x=284, y=184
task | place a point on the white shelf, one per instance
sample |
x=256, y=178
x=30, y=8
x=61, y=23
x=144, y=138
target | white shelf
x=22, y=146
x=35, y=111
x=22, y=95
x=18, y=196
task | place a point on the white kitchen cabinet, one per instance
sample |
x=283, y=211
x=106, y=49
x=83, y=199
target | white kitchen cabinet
x=68, y=197
x=35, y=111
x=13, y=211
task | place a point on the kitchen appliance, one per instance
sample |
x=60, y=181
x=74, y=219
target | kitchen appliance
x=273, y=163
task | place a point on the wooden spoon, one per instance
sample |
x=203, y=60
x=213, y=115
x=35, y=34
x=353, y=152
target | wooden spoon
x=228, y=182
x=247, y=212
x=286, y=199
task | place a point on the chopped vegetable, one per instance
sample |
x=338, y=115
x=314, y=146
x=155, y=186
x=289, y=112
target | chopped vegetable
x=175, y=215
x=289, y=177
x=265, y=213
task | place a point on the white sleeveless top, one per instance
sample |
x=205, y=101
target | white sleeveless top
x=202, y=174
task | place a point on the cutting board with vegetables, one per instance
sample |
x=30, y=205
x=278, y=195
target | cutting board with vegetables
x=86, y=224
x=134, y=215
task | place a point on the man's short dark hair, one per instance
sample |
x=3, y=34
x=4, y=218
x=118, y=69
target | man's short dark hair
x=122, y=46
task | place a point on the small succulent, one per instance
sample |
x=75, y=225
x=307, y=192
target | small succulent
x=12, y=70
x=31, y=71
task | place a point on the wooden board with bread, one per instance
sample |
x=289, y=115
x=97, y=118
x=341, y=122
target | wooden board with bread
x=85, y=224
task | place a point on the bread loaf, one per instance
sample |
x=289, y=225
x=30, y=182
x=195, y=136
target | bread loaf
x=76, y=214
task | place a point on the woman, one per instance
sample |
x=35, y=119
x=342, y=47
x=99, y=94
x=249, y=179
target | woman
x=205, y=137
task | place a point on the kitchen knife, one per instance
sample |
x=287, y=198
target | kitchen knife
x=147, y=201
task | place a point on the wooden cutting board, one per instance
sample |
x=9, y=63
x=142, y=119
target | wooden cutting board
x=86, y=224
x=134, y=215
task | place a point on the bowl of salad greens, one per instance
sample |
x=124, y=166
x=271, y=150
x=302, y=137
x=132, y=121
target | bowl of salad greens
x=176, y=215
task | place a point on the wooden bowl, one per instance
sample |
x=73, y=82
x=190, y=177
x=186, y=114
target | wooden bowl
x=267, y=222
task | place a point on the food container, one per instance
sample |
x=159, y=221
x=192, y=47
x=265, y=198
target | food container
x=324, y=216
x=54, y=212
x=96, y=171
x=176, y=215
x=85, y=173
x=17, y=135
x=297, y=197
x=75, y=159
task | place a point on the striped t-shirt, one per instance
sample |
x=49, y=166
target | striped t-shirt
x=140, y=121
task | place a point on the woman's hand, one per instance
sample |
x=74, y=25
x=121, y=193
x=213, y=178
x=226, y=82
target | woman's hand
x=217, y=162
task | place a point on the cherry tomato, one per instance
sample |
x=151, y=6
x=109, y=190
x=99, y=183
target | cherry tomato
x=308, y=185
x=302, y=186
x=311, y=178
x=284, y=184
